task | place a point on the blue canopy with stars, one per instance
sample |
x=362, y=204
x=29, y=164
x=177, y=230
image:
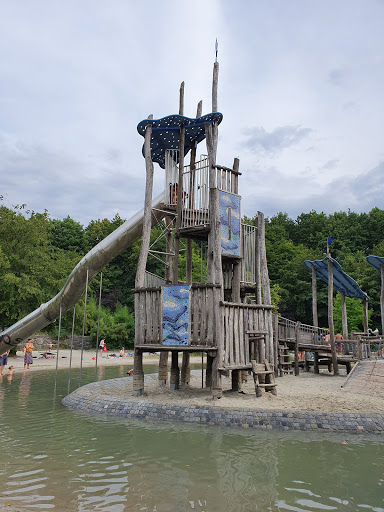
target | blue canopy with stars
x=166, y=133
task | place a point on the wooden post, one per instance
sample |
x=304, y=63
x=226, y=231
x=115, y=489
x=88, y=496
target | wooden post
x=382, y=298
x=138, y=373
x=236, y=382
x=179, y=205
x=276, y=342
x=163, y=368
x=365, y=315
x=258, y=245
x=344, y=319
x=330, y=317
x=147, y=222
x=169, y=250
x=208, y=372
x=316, y=362
x=185, y=370
x=297, y=339
x=314, y=298
x=175, y=372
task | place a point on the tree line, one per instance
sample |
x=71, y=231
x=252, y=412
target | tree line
x=37, y=254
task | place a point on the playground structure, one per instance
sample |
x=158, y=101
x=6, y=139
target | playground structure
x=228, y=313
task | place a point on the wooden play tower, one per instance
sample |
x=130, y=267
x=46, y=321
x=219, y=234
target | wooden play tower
x=228, y=314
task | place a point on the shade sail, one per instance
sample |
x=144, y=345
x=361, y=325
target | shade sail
x=375, y=261
x=341, y=281
x=166, y=133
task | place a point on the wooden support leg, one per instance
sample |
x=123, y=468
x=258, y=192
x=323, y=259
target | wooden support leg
x=185, y=370
x=163, y=368
x=258, y=389
x=348, y=366
x=244, y=376
x=236, y=382
x=306, y=363
x=217, y=389
x=329, y=366
x=208, y=372
x=316, y=362
x=138, y=374
x=175, y=372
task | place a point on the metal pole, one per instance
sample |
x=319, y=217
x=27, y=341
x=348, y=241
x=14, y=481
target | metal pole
x=58, y=341
x=98, y=322
x=82, y=336
x=70, y=357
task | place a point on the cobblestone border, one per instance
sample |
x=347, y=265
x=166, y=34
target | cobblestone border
x=89, y=399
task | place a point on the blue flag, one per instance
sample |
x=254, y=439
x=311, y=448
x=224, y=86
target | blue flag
x=330, y=240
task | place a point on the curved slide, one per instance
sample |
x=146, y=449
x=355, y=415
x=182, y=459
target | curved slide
x=124, y=236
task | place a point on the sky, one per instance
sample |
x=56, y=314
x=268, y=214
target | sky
x=300, y=89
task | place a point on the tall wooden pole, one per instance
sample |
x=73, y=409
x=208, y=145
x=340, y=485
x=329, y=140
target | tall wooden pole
x=214, y=267
x=138, y=373
x=382, y=298
x=330, y=317
x=314, y=299
x=144, y=249
x=365, y=315
x=179, y=205
x=344, y=319
x=191, y=200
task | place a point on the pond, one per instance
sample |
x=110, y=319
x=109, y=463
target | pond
x=56, y=459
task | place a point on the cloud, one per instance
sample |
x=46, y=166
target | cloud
x=275, y=141
x=331, y=164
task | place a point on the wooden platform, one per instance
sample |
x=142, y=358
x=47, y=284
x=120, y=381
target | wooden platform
x=366, y=376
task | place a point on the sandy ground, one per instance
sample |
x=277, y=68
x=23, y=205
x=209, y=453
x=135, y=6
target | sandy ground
x=64, y=360
x=308, y=392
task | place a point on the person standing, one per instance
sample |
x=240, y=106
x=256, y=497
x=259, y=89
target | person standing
x=28, y=349
x=101, y=346
x=3, y=361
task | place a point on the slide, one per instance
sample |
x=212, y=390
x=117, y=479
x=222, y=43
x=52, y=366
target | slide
x=96, y=259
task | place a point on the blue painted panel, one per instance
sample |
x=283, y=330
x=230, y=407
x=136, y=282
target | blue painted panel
x=175, y=315
x=229, y=215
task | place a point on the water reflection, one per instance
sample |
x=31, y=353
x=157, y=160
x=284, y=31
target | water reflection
x=52, y=458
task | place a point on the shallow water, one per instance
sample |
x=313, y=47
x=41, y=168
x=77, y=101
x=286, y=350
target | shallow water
x=55, y=459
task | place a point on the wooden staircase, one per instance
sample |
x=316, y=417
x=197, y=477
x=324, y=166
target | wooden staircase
x=264, y=378
x=285, y=365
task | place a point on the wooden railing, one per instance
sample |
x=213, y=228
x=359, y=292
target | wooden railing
x=240, y=322
x=201, y=316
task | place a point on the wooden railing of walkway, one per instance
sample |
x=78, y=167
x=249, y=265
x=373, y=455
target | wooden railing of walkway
x=302, y=339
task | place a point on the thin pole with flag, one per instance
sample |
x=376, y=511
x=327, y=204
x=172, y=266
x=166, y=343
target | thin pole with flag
x=329, y=241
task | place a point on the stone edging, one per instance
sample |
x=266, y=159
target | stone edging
x=90, y=399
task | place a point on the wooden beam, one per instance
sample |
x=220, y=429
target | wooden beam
x=147, y=224
x=314, y=298
x=382, y=298
x=344, y=319
x=330, y=318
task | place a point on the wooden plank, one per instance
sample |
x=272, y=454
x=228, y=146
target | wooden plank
x=241, y=337
x=226, y=336
x=148, y=316
x=235, y=336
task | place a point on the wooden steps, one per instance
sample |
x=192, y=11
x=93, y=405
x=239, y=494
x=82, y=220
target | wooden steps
x=264, y=378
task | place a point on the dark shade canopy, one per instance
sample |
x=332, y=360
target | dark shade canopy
x=375, y=261
x=341, y=281
x=166, y=133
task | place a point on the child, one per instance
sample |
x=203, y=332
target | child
x=10, y=372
